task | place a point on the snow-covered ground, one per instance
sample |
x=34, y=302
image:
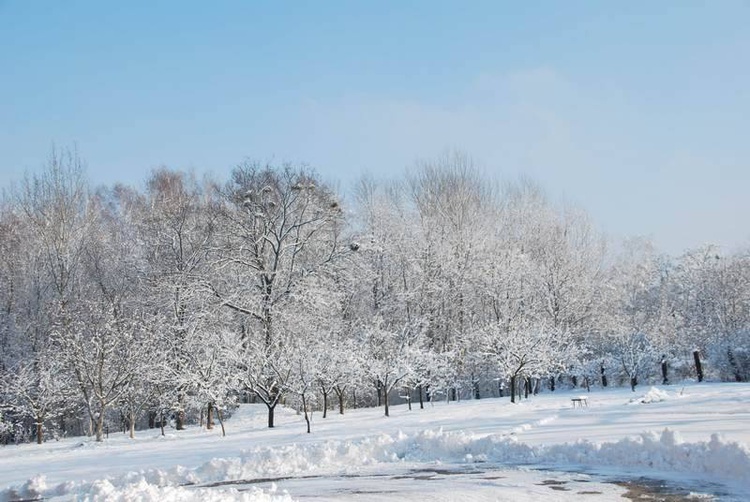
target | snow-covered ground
x=692, y=438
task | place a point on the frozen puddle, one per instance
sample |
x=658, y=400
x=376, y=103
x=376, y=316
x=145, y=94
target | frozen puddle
x=470, y=482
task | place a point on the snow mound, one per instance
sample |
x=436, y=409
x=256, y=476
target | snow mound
x=106, y=490
x=33, y=489
x=654, y=395
x=665, y=452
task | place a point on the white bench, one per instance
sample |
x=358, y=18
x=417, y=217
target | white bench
x=581, y=401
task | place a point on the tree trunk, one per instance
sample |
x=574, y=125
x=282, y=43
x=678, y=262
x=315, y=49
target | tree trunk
x=513, y=389
x=180, y=420
x=210, y=415
x=385, y=400
x=39, y=430
x=270, y=415
x=552, y=383
x=633, y=382
x=220, y=416
x=664, y=379
x=180, y=415
x=421, y=398
x=604, y=375
x=161, y=424
x=100, y=426
x=63, y=427
x=325, y=403
x=304, y=409
x=340, y=396
x=698, y=367
x=274, y=396
x=733, y=364
x=131, y=424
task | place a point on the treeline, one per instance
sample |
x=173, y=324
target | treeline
x=124, y=306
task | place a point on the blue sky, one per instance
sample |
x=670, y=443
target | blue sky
x=636, y=111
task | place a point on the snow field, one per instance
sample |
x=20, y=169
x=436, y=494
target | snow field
x=459, y=436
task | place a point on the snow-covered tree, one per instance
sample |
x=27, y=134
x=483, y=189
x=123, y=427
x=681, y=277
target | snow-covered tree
x=712, y=309
x=455, y=209
x=176, y=225
x=208, y=371
x=390, y=355
x=101, y=339
x=46, y=227
x=525, y=349
x=34, y=390
x=635, y=312
x=278, y=226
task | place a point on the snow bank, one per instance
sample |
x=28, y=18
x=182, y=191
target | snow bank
x=664, y=451
x=142, y=490
x=121, y=490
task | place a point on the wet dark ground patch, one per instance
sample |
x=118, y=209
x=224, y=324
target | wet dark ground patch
x=653, y=490
x=642, y=489
x=639, y=489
